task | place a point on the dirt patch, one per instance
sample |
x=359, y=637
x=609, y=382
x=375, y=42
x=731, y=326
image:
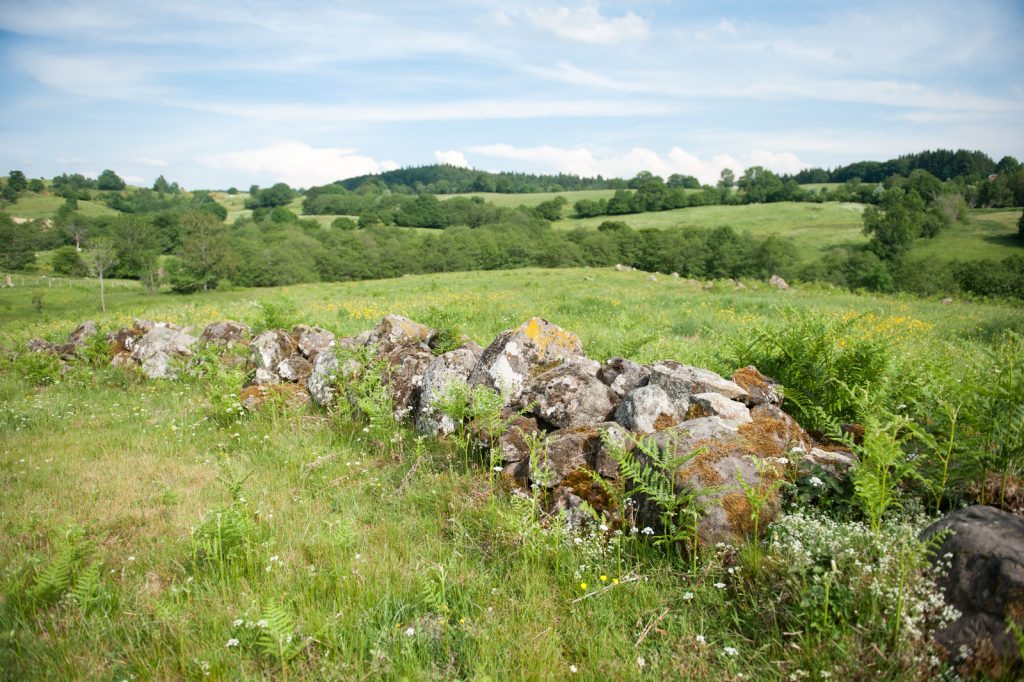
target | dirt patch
x=583, y=485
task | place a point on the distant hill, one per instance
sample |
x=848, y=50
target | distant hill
x=945, y=164
x=447, y=179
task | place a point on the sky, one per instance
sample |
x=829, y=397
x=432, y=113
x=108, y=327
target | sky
x=241, y=92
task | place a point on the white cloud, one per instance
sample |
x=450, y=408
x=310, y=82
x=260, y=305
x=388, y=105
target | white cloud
x=587, y=25
x=583, y=162
x=299, y=164
x=452, y=157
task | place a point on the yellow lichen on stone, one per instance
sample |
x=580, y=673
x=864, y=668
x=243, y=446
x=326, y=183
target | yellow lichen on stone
x=544, y=340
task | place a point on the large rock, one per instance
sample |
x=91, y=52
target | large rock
x=570, y=395
x=406, y=367
x=517, y=355
x=984, y=552
x=646, y=409
x=778, y=430
x=724, y=461
x=761, y=388
x=522, y=437
x=564, y=452
x=453, y=366
x=40, y=346
x=322, y=377
x=225, y=332
x=622, y=375
x=395, y=331
x=295, y=369
x=680, y=381
x=158, y=345
x=270, y=349
x=778, y=282
x=311, y=340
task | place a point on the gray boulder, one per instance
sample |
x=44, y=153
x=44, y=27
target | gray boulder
x=406, y=367
x=516, y=355
x=839, y=463
x=681, y=381
x=311, y=340
x=322, y=376
x=82, y=333
x=295, y=369
x=154, y=349
x=717, y=405
x=778, y=283
x=453, y=366
x=984, y=580
x=622, y=375
x=40, y=346
x=270, y=349
x=646, y=409
x=570, y=395
x=395, y=331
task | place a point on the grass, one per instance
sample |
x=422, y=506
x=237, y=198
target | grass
x=987, y=235
x=35, y=206
x=380, y=559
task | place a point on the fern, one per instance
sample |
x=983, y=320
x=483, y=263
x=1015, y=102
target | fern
x=56, y=578
x=86, y=589
x=278, y=638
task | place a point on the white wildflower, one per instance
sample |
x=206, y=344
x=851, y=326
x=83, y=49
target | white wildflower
x=231, y=642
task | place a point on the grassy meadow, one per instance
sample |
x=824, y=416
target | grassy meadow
x=151, y=530
x=33, y=206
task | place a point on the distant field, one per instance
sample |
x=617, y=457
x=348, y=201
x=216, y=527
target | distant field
x=532, y=199
x=817, y=227
x=990, y=235
x=42, y=206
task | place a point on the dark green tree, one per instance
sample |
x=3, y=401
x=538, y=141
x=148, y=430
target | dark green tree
x=67, y=261
x=205, y=253
x=894, y=224
x=16, y=181
x=110, y=181
x=727, y=179
x=17, y=244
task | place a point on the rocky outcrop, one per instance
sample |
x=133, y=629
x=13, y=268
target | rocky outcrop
x=983, y=556
x=717, y=405
x=517, y=355
x=760, y=388
x=680, y=381
x=270, y=349
x=311, y=340
x=404, y=376
x=395, y=331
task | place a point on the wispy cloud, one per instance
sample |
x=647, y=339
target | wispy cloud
x=586, y=24
x=299, y=164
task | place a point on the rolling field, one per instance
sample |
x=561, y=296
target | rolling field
x=338, y=555
x=987, y=235
x=45, y=206
x=532, y=199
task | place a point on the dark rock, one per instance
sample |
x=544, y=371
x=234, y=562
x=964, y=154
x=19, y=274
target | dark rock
x=406, y=367
x=225, y=332
x=295, y=369
x=984, y=552
x=40, y=346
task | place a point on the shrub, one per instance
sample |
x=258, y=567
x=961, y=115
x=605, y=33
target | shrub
x=67, y=261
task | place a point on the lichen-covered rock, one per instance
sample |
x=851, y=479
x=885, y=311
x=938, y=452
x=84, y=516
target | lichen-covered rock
x=783, y=431
x=622, y=375
x=395, y=331
x=225, y=332
x=565, y=451
x=156, y=347
x=82, y=333
x=570, y=395
x=760, y=388
x=605, y=462
x=717, y=405
x=522, y=435
x=724, y=456
x=680, y=381
x=984, y=552
x=311, y=340
x=646, y=409
x=322, y=377
x=287, y=395
x=264, y=377
x=40, y=346
x=295, y=369
x=517, y=355
x=452, y=366
x=122, y=359
x=123, y=340
x=270, y=349
x=406, y=367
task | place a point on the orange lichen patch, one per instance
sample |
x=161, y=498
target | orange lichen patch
x=738, y=512
x=252, y=397
x=766, y=437
x=664, y=421
x=549, y=337
x=702, y=466
x=749, y=377
x=583, y=485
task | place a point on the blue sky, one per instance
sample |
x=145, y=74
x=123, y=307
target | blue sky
x=235, y=92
